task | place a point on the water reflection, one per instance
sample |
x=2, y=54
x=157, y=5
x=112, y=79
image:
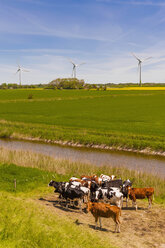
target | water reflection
x=150, y=164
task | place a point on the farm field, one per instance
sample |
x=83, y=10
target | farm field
x=35, y=215
x=121, y=119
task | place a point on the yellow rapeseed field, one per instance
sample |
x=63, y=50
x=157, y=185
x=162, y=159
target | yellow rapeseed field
x=138, y=88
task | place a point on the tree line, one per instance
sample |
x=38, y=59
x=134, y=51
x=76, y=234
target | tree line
x=74, y=83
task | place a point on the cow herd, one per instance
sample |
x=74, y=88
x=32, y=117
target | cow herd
x=102, y=196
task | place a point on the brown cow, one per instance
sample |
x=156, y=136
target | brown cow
x=140, y=193
x=85, y=183
x=95, y=178
x=88, y=177
x=100, y=209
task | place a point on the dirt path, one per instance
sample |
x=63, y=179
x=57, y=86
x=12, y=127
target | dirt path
x=139, y=229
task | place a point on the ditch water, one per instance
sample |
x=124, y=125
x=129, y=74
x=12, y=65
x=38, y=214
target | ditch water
x=151, y=164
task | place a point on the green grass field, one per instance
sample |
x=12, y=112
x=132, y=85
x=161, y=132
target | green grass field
x=120, y=118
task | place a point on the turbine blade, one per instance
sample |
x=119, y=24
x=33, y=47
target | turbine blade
x=18, y=64
x=81, y=64
x=17, y=71
x=147, y=58
x=25, y=70
x=71, y=62
x=135, y=57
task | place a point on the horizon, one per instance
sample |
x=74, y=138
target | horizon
x=42, y=35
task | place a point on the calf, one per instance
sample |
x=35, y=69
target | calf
x=99, y=209
x=140, y=193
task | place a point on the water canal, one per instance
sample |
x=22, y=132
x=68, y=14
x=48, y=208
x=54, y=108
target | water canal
x=150, y=164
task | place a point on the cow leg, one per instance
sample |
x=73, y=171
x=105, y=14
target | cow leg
x=133, y=203
x=117, y=221
x=100, y=222
x=150, y=202
x=80, y=203
x=96, y=219
x=59, y=200
x=86, y=198
x=127, y=201
x=118, y=226
x=121, y=202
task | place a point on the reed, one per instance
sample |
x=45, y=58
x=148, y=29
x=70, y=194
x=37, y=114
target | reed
x=65, y=169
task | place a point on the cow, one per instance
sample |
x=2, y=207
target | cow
x=71, y=193
x=75, y=179
x=95, y=178
x=84, y=177
x=118, y=183
x=55, y=184
x=94, y=186
x=112, y=195
x=115, y=196
x=100, y=209
x=106, y=178
x=124, y=190
x=140, y=193
x=83, y=182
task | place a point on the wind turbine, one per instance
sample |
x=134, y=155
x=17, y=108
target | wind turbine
x=140, y=67
x=74, y=68
x=20, y=70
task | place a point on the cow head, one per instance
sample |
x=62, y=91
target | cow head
x=129, y=189
x=51, y=183
x=112, y=177
x=88, y=207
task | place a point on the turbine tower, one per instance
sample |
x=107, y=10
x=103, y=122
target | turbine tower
x=20, y=70
x=140, y=67
x=74, y=68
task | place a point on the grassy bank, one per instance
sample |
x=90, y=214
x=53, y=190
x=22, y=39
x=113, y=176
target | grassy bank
x=23, y=223
x=120, y=119
x=26, y=222
x=63, y=170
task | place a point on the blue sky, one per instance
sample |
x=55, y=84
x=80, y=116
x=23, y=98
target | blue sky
x=42, y=35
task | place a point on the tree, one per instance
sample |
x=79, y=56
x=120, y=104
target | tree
x=67, y=83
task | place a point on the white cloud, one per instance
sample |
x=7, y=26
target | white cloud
x=20, y=21
x=123, y=68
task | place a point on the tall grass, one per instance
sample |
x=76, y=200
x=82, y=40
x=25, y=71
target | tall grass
x=64, y=169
